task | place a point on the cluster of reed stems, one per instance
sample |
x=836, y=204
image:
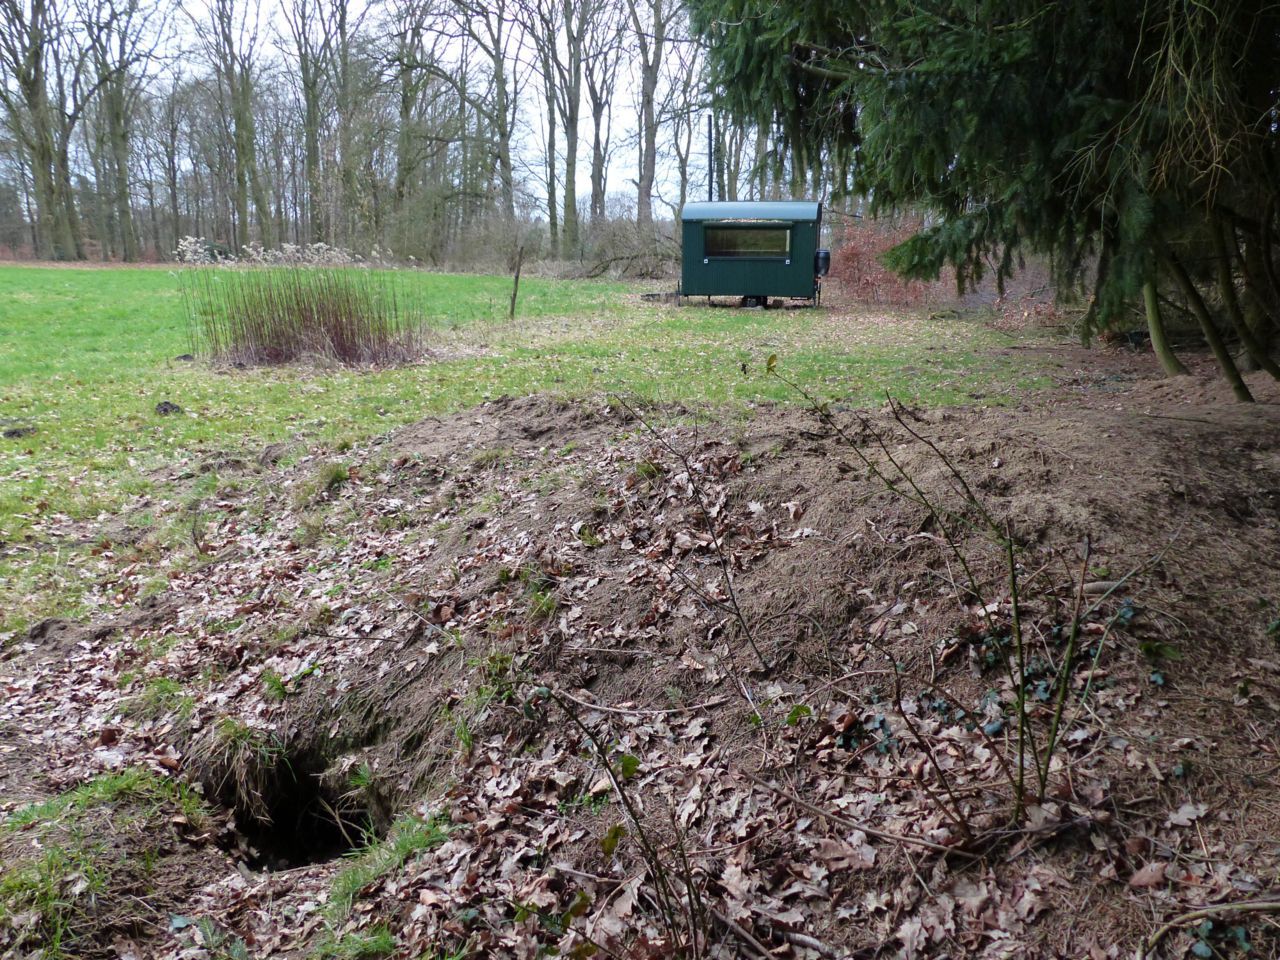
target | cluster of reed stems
x=286, y=314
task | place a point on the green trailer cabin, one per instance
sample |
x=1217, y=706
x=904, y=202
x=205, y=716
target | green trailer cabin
x=752, y=249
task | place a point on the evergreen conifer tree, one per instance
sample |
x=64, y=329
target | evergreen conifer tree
x=1133, y=144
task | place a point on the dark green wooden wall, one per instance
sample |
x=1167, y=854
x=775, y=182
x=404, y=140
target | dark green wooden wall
x=791, y=276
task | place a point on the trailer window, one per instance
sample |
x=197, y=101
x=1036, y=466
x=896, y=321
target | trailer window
x=748, y=241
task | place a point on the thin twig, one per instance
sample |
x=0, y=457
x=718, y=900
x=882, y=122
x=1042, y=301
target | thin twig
x=666, y=897
x=854, y=825
x=808, y=942
x=951, y=812
x=741, y=933
x=625, y=711
x=1020, y=693
x=1256, y=906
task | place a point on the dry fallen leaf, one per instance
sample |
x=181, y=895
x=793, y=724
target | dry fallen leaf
x=1187, y=814
x=1152, y=875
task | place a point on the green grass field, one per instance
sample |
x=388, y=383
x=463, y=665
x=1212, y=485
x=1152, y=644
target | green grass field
x=86, y=354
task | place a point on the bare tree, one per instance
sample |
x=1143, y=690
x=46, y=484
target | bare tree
x=343, y=77
x=400, y=122
x=601, y=64
x=230, y=41
x=121, y=36
x=558, y=31
x=650, y=21
x=491, y=28
x=35, y=47
x=682, y=107
x=311, y=38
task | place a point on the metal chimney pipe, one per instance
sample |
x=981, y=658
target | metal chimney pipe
x=711, y=160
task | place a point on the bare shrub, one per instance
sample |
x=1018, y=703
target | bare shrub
x=203, y=250
x=617, y=247
x=284, y=314
x=857, y=247
x=1029, y=299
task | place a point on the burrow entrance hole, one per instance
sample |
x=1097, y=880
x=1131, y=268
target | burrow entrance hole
x=293, y=818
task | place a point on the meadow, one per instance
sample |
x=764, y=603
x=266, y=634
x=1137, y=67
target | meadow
x=86, y=354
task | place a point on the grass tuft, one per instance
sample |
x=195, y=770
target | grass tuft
x=56, y=899
x=135, y=784
x=376, y=941
x=408, y=837
x=160, y=697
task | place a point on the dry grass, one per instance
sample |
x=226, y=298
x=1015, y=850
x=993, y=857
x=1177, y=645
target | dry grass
x=278, y=315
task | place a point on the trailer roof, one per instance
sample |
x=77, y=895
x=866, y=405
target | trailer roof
x=797, y=211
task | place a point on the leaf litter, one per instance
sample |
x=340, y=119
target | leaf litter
x=677, y=686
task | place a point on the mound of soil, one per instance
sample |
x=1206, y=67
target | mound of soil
x=753, y=686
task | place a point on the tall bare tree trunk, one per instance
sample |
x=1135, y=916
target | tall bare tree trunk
x=575, y=17
x=553, y=219
x=343, y=88
x=1260, y=307
x=309, y=31
x=28, y=40
x=650, y=35
x=115, y=103
x=231, y=48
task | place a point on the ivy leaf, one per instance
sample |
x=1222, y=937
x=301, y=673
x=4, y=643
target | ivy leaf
x=612, y=838
x=581, y=903
x=798, y=713
x=628, y=765
x=539, y=696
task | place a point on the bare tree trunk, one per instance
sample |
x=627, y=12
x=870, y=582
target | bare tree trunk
x=100, y=211
x=1211, y=335
x=490, y=26
x=735, y=137
x=761, y=170
x=49, y=245
x=28, y=41
x=1169, y=361
x=116, y=107
x=599, y=95
x=407, y=99
x=308, y=32
x=718, y=125
x=650, y=33
x=505, y=115
x=576, y=14
x=1255, y=351
x=153, y=218
x=66, y=215
x=230, y=45
x=553, y=221
x=344, y=96
x=24, y=180
x=1259, y=306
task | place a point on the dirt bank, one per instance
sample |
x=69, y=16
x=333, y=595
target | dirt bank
x=653, y=678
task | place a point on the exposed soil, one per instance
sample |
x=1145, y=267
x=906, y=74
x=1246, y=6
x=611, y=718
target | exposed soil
x=616, y=649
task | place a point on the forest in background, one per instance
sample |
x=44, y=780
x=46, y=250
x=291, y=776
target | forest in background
x=421, y=128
